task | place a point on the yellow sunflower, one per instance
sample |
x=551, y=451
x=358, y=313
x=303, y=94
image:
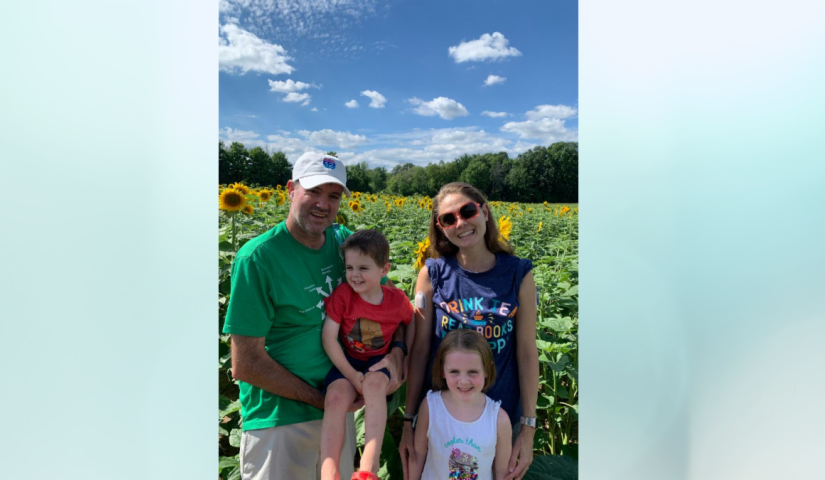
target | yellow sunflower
x=540, y=224
x=355, y=206
x=281, y=197
x=278, y=187
x=429, y=205
x=240, y=187
x=341, y=219
x=248, y=209
x=231, y=200
x=423, y=252
x=565, y=210
x=265, y=195
x=505, y=225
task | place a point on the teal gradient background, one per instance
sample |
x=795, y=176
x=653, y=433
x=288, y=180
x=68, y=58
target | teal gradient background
x=702, y=180
x=109, y=125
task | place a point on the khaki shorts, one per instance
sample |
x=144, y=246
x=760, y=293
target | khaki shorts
x=292, y=452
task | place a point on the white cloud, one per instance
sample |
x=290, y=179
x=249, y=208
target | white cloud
x=295, y=97
x=376, y=99
x=494, y=79
x=490, y=114
x=548, y=130
x=232, y=135
x=328, y=137
x=486, y=47
x=351, y=104
x=422, y=147
x=299, y=18
x=314, y=109
x=241, y=51
x=288, y=86
x=446, y=108
x=551, y=111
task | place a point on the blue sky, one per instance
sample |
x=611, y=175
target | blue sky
x=390, y=82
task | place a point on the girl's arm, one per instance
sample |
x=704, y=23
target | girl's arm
x=419, y=355
x=329, y=338
x=421, y=427
x=527, y=357
x=504, y=435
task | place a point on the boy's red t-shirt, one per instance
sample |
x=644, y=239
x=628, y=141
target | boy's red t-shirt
x=367, y=329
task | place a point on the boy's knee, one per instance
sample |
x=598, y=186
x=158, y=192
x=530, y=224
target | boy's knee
x=339, y=393
x=376, y=380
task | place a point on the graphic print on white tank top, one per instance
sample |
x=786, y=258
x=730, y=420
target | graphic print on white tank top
x=460, y=450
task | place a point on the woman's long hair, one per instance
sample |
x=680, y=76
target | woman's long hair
x=440, y=246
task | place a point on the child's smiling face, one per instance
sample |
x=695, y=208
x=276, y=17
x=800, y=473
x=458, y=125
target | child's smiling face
x=363, y=274
x=464, y=374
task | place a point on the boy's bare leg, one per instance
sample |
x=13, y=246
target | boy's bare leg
x=339, y=397
x=375, y=418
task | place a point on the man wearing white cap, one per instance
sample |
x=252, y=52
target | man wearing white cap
x=275, y=315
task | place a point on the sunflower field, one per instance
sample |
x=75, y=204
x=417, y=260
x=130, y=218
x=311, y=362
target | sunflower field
x=545, y=233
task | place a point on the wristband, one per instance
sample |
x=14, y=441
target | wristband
x=401, y=345
x=409, y=417
x=528, y=421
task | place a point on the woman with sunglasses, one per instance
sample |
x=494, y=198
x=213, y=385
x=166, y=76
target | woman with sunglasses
x=473, y=280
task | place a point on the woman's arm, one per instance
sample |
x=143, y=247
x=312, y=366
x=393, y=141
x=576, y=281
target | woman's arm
x=419, y=356
x=504, y=435
x=417, y=462
x=409, y=339
x=528, y=375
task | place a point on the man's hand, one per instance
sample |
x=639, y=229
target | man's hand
x=523, y=452
x=393, y=362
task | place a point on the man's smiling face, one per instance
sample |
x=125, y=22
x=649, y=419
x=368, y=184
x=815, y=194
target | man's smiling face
x=313, y=210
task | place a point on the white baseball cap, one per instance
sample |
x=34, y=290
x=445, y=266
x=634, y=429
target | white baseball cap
x=313, y=169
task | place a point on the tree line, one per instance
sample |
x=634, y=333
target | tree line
x=540, y=174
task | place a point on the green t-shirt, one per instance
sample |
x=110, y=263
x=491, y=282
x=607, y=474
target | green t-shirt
x=278, y=290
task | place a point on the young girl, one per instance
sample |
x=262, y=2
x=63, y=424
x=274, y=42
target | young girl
x=461, y=433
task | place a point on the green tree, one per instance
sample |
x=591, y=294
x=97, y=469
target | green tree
x=400, y=180
x=531, y=178
x=500, y=165
x=281, y=169
x=378, y=179
x=477, y=174
x=358, y=179
x=565, y=159
x=233, y=163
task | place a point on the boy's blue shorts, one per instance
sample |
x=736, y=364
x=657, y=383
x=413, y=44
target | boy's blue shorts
x=361, y=366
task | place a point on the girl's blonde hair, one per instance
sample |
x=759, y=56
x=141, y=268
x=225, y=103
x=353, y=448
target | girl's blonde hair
x=440, y=246
x=468, y=341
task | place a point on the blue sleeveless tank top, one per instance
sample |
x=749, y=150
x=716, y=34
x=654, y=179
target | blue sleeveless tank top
x=486, y=302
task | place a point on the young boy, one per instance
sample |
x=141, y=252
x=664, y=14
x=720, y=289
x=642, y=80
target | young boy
x=364, y=315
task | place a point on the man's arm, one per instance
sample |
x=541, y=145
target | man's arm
x=251, y=364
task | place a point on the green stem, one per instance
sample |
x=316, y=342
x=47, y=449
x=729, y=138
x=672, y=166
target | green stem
x=234, y=234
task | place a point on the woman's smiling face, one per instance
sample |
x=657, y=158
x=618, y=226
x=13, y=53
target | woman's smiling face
x=464, y=233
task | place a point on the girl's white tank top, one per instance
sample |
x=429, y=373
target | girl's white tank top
x=460, y=450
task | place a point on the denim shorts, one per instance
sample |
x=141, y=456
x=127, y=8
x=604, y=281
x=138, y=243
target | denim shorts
x=362, y=366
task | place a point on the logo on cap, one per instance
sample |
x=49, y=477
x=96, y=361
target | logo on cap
x=330, y=164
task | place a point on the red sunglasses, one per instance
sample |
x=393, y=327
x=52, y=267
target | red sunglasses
x=467, y=211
